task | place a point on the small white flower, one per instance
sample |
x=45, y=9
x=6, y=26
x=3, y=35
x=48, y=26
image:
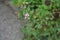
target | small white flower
x=25, y=6
x=27, y=2
x=26, y=16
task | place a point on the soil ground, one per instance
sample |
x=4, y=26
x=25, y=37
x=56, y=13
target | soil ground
x=9, y=24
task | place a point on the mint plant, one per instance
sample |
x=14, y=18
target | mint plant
x=43, y=19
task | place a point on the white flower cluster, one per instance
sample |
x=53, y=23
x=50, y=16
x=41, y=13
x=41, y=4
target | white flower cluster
x=26, y=16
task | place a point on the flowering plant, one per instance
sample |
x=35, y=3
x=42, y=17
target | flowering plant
x=43, y=19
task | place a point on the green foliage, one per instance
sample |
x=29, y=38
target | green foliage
x=43, y=19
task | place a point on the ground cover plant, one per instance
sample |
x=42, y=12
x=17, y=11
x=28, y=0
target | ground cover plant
x=43, y=19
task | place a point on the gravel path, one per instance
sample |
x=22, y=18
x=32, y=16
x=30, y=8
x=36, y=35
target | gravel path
x=9, y=25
